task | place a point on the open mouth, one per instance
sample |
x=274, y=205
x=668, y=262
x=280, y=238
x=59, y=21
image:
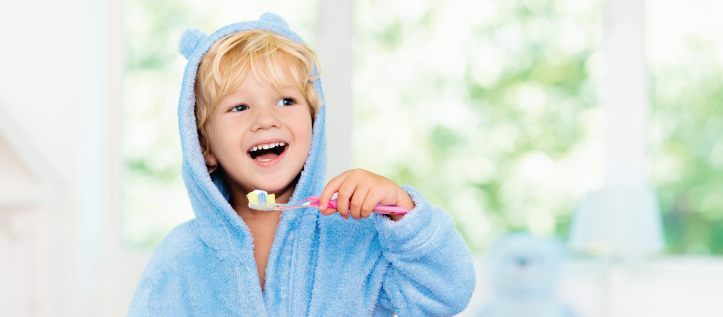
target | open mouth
x=267, y=152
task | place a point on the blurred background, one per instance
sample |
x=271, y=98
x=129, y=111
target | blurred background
x=595, y=123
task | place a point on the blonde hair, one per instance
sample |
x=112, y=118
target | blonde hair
x=231, y=58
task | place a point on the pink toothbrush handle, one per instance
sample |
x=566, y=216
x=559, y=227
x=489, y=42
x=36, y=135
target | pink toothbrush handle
x=379, y=209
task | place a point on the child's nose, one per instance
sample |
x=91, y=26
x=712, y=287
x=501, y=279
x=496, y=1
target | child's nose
x=266, y=119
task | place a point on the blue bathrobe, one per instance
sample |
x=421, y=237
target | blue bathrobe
x=319, y=265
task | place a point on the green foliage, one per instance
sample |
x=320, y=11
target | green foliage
x=527, y=104
x=154, y=199
x=687, y=137
x=493, y=105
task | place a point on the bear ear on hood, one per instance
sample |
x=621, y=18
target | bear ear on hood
x=192, y=37
x=189, y=41
x=275, y=19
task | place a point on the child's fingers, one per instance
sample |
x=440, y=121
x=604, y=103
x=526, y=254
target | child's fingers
x=371, y=201
x=331, y=187
x=329, y=211
x=357, y=200
x=346, y=190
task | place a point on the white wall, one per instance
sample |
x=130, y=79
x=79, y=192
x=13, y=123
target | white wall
x=59, y=93
x=334, y=29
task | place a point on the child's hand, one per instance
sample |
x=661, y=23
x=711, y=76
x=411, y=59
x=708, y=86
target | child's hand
x=364, y=190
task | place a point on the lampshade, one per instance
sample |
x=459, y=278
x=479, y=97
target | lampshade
x=618, y=222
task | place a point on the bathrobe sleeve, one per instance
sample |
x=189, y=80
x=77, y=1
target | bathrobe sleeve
x=431, y=271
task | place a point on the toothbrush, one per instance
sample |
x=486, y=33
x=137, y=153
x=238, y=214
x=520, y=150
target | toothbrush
x=261, y=200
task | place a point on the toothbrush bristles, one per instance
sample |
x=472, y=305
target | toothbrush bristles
x=261, y=200
x=262, y=206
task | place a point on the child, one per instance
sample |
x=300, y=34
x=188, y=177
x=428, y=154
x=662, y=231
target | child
x=251, y=116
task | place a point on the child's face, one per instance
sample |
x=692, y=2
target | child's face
x=254, y=115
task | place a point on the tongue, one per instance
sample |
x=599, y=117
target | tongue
x=267, y=156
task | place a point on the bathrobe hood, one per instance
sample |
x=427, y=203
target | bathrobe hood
x=220, y=227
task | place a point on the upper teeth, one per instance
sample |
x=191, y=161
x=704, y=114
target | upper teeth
x=267, y=146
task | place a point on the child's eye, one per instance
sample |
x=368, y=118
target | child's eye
x=240, y=108
x=286, y=102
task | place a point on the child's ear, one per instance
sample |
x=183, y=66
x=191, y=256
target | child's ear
x=211, y=161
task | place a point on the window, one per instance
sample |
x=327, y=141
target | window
x=685, y=54
x=492, y=105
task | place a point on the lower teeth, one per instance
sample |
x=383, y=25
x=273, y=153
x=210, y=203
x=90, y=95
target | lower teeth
x=263, y=160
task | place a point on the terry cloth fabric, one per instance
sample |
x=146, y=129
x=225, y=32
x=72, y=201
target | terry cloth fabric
x=319, y=265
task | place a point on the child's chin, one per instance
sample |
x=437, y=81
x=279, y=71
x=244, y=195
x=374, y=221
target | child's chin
x=276, y=185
